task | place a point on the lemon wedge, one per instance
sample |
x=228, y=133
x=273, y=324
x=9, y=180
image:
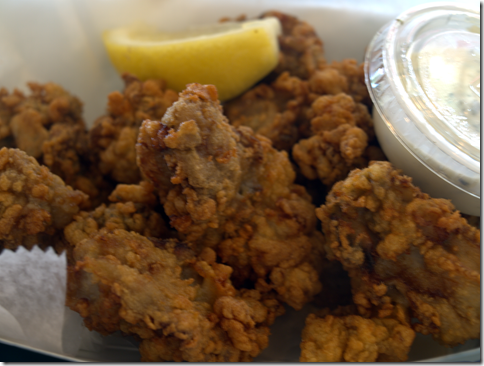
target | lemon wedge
x=233, y=56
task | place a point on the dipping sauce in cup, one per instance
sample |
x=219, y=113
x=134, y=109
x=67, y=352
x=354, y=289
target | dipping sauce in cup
x=423, y=74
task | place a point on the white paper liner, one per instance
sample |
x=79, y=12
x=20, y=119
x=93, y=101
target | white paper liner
x=32, y=298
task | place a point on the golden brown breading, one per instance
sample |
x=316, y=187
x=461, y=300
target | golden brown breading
x=341, y=77
x=35, y=205
x=127, y=216
x=63, y=150
x=28, y=119
x=228, y=189
x=301, y=50
x=321, y=156
x=113, y=136
x=281, y=109
x=180, y=307
x=352, y=338
x=329, y=112
x=7, y=103
x=48, y=125
x=342, y=130
x=272, y=110
x=143, y=193
x=66, y=153
x=135, y=209
x=401, y=246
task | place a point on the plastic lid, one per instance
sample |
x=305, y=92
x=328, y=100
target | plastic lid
x=429, y=60
x=434, y=57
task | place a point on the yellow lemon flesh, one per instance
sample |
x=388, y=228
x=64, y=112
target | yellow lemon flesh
x=231, y=56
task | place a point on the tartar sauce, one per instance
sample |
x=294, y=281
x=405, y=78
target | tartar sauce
x=447, y=66
x=423, y=74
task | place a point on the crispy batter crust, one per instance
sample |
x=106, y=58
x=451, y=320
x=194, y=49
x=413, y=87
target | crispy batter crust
x=341, y=133
x=180, y=307
x=352, y=338
x=35, y=205
x=228, y=189
x=114, y=135
x=401, y=246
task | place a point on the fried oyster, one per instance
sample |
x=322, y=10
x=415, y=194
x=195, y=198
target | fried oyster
x=342, y=133
x=35, y=205
x=180, y=307
x=48, y=125
x=352, y=338
x=403, y=248
x=226, y=188
x=113, y=136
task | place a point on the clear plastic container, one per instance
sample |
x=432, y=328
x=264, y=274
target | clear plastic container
x=423, y=74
